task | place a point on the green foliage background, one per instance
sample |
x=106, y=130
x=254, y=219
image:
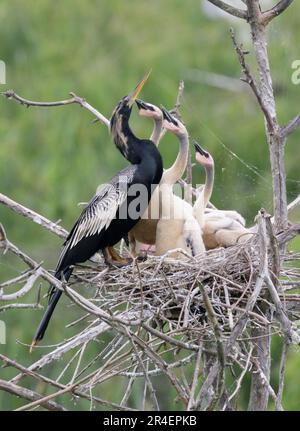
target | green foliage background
x=51, y=159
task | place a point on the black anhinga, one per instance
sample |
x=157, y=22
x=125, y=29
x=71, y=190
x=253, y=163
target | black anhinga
x=99, y=227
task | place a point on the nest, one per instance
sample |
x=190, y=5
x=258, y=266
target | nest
x=169, y=292
x=165, y=317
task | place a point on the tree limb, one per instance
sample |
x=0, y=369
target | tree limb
x=238, y=13
x=32, y=215
x=280, y=7
x=29, y=395
x=249, y=79
x=290, y=127
x=10, y=94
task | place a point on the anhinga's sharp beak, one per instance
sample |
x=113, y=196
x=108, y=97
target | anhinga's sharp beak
x=132, y=97
x=200, y=150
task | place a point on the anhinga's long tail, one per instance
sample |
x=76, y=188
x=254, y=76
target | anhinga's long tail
x=54, y=297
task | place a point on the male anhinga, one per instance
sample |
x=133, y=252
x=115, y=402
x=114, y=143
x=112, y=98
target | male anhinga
x=220, y=228
x=177, y=226
x=102, y=223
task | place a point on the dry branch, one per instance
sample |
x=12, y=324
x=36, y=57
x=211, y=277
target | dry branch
x=32, y=215
x=11, y=94
x=275, y=11
x=239, y=13
x=29, y=395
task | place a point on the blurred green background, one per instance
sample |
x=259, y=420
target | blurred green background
x=51, y=159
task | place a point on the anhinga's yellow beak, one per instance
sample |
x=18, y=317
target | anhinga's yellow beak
x=132, y=97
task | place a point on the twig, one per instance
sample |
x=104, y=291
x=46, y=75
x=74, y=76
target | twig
x=30, y=395
x=289, y=234
x=37, y=218
x=242, y=375
x=291, y=126
x=178, y=103
x=282, y=367
x=25, y=289
x=248, y=78
x=195, y=378
x=220, y=345
x=10, y=94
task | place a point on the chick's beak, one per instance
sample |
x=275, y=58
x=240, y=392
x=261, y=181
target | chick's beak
x=166, y=114
x=132, y=97
x=140, y=104
x=200, y=150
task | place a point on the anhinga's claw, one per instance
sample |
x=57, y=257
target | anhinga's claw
x=113, y=258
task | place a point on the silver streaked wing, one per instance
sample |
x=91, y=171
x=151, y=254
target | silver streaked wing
x=102, y=209
x=99, y=214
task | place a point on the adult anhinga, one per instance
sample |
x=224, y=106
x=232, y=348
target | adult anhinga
x=107, y=218
x=177, y=227
x=220, y=228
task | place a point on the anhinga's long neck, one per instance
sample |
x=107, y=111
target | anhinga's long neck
x=124, y=138
x=156, y=133
x=137, y=151
x=205, y=195
x=175, y=172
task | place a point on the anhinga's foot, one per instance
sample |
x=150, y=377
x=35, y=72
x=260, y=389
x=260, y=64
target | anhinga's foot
x=113, y=258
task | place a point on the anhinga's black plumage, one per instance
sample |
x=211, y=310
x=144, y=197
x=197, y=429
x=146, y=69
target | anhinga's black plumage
x=99, y=225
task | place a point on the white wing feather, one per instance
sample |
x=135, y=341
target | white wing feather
x=99, y=214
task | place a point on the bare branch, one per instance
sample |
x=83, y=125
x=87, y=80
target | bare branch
x=37, y=218
x=274, y=137
x=282, y=367
x=10, y=94
x=26, y=372
x=242, y=375
x=220, y=346
x=29, y=395
x=7, y=245
x=281, y=6
x=249, y=79
x=21, y=306
x=239, y=13
x=289, y=234
x=178, y=103
x=294, y=204
x=290, y=127
x=25, y=289
x=195, y=379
